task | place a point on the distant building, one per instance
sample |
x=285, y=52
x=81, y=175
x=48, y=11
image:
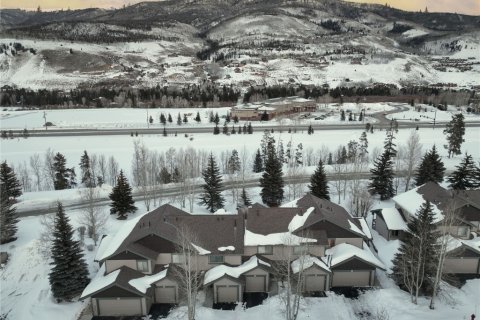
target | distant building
x=273, y=108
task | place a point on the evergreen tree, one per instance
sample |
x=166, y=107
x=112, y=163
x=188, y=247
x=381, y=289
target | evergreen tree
x=342, y=116
x=216, y=130
x=10, y=184
x=62, y=173
x=170, y=120
x=299, y=155
x=360, y=117
x=245, y=199
x=69, y=274
x=8, y=217
x=122, y=200
x=212, y=197
x=84, y=164
x=389, y=145
x=363, y=148
x=165, y=176
x=234, y=162
x=185, y=119
x=464, y=177
x=164, y=132
x=235, y=119
x=250, y=128
x=197, y=118
x=418, y=252
x=216, y=119
x=163, y=120
x=455, y=131
x=381, y=181
x=310, y=129
x=318, y=182
x=430, y=169
x=179, y=119
x=258, y=162
x=271, y=181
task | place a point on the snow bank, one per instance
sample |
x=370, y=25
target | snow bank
x=142, y=284
x=200, y=250
x=235, y=272
x=299, y=220
x=285, y=238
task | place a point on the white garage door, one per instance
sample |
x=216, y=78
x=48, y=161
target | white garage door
x=165, y=294
x=226, y=294
x=120, y=307
x=255, y=283
x=351, y=279
x=457, y=265
x=315, y=282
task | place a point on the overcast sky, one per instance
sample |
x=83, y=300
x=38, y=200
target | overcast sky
x=471, y=7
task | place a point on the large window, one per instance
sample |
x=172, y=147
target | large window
x=142, y=265
x=215, y=259
x=177, y=258
x=265, y=250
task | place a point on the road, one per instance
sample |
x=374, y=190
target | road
x=176, y=190
x=383, y=122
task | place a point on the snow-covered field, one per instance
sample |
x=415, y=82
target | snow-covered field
x=25, y=292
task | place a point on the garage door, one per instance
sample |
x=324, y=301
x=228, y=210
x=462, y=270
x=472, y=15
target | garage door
x=351, y=279
x=456, y=265
x=255, y=283
x=226, y=294
x=120, y=307
x=165, y=294
x=315, y=282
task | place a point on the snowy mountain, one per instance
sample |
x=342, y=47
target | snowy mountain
x=239, y=42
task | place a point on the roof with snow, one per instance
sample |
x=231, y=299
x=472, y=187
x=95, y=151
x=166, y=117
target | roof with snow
x=412, y=200
x=306, y=262
x=455, y=243
x=344, y=252
x=220, y=271
x=214, y=232
x=119, y=278
x=393, y=219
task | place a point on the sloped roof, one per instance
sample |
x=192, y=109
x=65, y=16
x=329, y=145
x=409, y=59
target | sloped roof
x=212, y=231
x=344, y=251
x=413, y=199
x=235, y=272
x=308, y=261
x=120, y=277
x=393, y=219
x=455, y=243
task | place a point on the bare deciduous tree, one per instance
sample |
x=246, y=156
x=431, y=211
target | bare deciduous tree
x=36, y=165
x=48, y=168
x=412, y=157
x=92, y=216
x=113, y=170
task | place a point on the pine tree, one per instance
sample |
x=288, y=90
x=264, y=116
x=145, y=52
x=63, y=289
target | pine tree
x=430, y=169
x=163, y=120
x=318, y=182
x=179, y=119
x=216, y=119
x=464, y=176
x=250, y=128
x=271, y=181
x=197, y=118
x=62, y=174
x=164, y=132
x=122, y=200
x=330, y=159
x=185, y=119
x=342, y=116
x=455, y=131
x=234, y=162
x=170, y=120
x=8, y=217
x=417, y=253
x=310, y=130
x=10, y=184
x=212, y=197
x=381, y=181
x=84, y=164
x=216, y=130
x=245, y=199
x=69, y=274
x=363, y=149
x=258, y=162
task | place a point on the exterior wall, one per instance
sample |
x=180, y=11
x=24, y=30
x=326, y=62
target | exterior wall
x=280, y=252
x=164, y=258
x=318, y=271
x=453, y=230
x=235, y=260
x=357, y=242
x=468, y=265
x=381, y=228
x=112, y=265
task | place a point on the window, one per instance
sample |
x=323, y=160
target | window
x=142, y=265
x=265, y=249
x=462, y=231
x=177, y=258
x=215, y=259
x=394, y=233
x=299, y=249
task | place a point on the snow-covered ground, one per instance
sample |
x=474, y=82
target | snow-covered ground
x=25, y=292
x=429, y=113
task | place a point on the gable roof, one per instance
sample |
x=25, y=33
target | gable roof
x=412, y=200
x=454, y=243
x=308, y=262
x=213, y=232
x=120, y=277
x=393, y=219
x=344, y=251
x=220, y=271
